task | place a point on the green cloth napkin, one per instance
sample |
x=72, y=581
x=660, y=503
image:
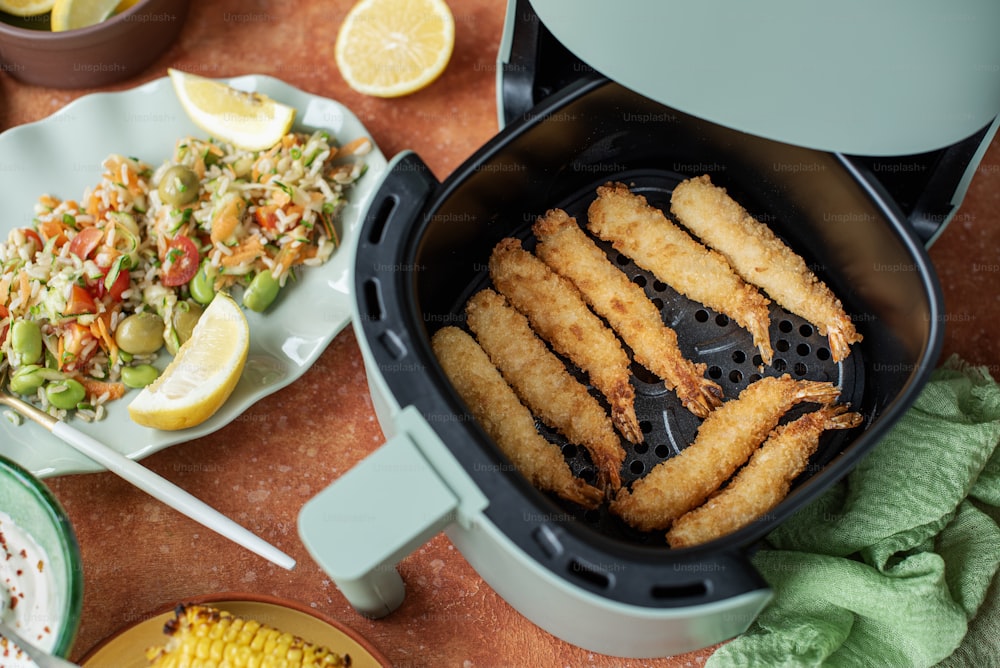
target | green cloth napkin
x=893, y=567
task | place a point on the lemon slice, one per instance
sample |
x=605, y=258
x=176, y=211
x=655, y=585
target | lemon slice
x=202, y=375
x=250, y=121
x=72, y=14
x=26, y=7
x=389, y=48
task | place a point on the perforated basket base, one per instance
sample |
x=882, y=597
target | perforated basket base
x=704, y=336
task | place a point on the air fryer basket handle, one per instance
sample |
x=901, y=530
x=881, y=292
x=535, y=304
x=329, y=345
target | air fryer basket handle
x=359, y=527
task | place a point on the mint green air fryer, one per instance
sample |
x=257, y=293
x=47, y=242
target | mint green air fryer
x=651, y=93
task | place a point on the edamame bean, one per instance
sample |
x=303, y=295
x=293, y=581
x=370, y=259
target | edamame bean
x=140, y=375
x=27, y=379
x=140, y=333
x=202, y=286
x=26, y=341
x=261, y=292
x=178, y=186
x=65, y=394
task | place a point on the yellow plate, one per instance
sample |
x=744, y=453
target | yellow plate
x=127, y=648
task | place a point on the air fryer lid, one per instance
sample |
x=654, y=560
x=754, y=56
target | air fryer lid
x=423, y=252
x=875, y=79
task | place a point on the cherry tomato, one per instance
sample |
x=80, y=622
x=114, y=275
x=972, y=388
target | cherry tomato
x=118, y=286
x=3, y=314
x=32, y=236
x=80, y=301
x=180, y=261
x=85, y=242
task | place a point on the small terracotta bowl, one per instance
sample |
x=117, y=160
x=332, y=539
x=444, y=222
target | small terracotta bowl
x=111, y=51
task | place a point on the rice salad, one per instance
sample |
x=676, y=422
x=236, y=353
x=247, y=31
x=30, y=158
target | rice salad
x=95, y=289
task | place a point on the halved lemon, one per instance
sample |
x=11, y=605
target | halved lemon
x=26, y=7
x=202, y=375
x=248, y=120
x=389, y=48
x=72, y=14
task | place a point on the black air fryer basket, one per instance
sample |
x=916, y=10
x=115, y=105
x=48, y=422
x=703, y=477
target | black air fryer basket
x=584, y=575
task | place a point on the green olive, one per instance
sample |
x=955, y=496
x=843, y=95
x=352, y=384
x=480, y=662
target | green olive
x=186, y=316
x=140, y=333
x=139, y=375
x=65, y=394
x=178, y=186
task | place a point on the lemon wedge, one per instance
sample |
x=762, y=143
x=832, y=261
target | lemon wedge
x=72, y=14
x=247, y=120
x=202, y=375
x=26, y=7
x=389, y=48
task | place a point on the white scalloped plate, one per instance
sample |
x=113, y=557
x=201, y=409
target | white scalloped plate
x=62, y=154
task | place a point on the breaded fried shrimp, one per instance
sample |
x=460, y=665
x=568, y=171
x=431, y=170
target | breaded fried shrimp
x=652, y=241
x=725, y=440
x=570, y=252
x=558, y=313
x=508, y=422
x=764, y=481
x=542, y=382
x=762, y=259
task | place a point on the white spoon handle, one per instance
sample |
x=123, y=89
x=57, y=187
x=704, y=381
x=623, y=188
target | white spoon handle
x=169, y=493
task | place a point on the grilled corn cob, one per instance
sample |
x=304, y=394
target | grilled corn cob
x=206, y=637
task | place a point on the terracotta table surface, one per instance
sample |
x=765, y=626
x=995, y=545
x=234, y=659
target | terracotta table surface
x=139, y=555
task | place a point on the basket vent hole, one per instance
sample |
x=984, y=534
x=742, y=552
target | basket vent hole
x=800, y=369
x=803, y=349
x=739, y=357
x=782, y=346
x=691, y=590
x=785, y=326
x=758, y=361
x=714, y=372
x=722, y=320
x=569, y=450
x=658, y=303
x=780, y=365
x=701, y=315
x=806, y=331
x=641, y=448
x=822, y=354
x=636, y=467
x=623, y=260
x=589, y=574
x=659, y=286
x=735, y=375
x=662, y=451
x=639, y=280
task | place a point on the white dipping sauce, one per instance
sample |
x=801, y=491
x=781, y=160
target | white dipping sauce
x=29, y=589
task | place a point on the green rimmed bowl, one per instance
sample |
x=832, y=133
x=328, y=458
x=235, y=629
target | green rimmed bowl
x=34, y=509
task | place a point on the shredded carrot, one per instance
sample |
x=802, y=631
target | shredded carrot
x=353, y=147
x=101, y=330
x=96, y=388
x=226, y=220
x=52, y=229
x=48, y=201
x=25, y=289
x=281, y=198
x=249, y=249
